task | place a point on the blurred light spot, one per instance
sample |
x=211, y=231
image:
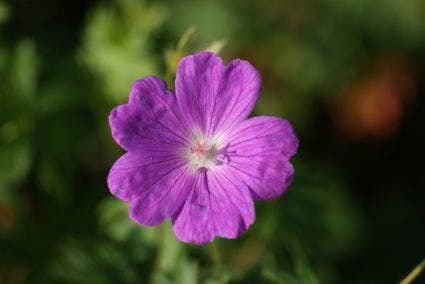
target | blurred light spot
x=374, y=106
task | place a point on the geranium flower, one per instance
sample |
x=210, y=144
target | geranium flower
x=193, y=156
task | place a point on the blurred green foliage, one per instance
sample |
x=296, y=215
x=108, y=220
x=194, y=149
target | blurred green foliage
x=117, y=44
x=345, y=218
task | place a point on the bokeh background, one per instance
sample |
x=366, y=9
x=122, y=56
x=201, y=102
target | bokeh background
x=349, y=74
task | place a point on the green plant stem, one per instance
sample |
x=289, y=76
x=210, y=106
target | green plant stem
x=216, y=257
x=414, y=273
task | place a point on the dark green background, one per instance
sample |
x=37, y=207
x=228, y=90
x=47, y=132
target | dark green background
x=349, y=74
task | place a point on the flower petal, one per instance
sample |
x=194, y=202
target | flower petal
x=258, y=153
x=163, y=199
x=134, y=173
x=212, y=96
x=151, y=119
x=216, y=206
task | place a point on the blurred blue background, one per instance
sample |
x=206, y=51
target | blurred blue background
x=349, y=74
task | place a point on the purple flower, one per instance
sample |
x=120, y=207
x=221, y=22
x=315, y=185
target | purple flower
x=193, y=156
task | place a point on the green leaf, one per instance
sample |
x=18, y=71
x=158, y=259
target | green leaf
x=4, y=12
x=24, y=70
x=15, y=161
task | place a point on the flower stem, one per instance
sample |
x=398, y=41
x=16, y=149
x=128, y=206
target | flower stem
x=216, y=257
x=414, y=273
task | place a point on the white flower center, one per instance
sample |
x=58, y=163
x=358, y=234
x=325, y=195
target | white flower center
x=203, y=153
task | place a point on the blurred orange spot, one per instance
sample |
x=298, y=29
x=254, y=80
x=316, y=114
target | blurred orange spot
x=7, y=218
x=374, y=106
